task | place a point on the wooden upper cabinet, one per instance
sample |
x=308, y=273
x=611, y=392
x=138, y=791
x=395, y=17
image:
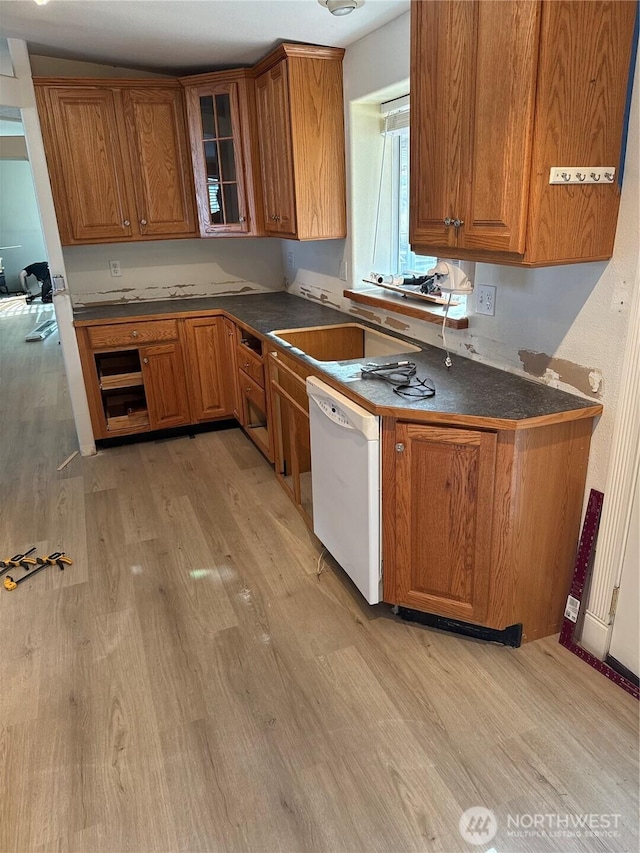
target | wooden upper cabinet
x=88, y=175
x=118, y=159
x=275, y=150
x=501, y=92
x=221, y=115
x=159, y=154
x=300, y=117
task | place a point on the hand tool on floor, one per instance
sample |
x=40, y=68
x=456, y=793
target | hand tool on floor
x=19, y=560
x=58, y=559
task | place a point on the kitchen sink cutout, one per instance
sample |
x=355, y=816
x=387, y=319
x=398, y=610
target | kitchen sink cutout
x=344, y=342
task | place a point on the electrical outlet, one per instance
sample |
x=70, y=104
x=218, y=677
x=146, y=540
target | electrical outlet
x=291, y=261
x=114, y=268
x=486, y=299
x=344, y=270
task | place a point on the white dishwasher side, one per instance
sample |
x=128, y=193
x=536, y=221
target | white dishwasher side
x=345, y=479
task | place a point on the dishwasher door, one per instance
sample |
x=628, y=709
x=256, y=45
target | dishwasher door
x=345, y=480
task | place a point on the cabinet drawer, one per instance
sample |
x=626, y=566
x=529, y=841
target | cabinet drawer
x=252, y=391
x=251, y=364
x=130, y=334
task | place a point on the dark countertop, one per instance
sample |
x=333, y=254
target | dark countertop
x=467, y=393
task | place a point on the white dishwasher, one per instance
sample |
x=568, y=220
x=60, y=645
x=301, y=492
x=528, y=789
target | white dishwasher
x=345, y=481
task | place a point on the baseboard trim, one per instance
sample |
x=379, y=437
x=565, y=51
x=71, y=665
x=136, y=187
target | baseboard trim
x=595, y=635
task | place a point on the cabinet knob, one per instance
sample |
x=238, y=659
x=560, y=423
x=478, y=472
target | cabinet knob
x=143, y=222
x=241, y=219
x=458, y=222
x=134, y=334
x=246, y=365
x=399, y=447
x=145, y=361
x=247, y=390
x=448, y=221
x=126, y=223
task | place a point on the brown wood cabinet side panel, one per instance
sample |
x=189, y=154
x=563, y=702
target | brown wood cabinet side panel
x=584, y=66
x=441, y=44
x=549, y=481
x=232, y=336
x=251, y=156
x=496, y=189
x=317, y=133
x=389, y=501
x=91, y=384
x=162, y=183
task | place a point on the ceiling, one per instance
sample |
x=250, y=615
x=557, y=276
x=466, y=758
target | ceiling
x=182, y=36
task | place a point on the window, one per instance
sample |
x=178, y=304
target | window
x=396, y=142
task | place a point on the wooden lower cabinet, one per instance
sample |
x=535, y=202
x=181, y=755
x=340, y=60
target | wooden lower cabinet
x=254, y=405
x=444, y=509
x=291, y=430
x=165, y=386
x=156, y=374
x=482, y=525
x=209, y=377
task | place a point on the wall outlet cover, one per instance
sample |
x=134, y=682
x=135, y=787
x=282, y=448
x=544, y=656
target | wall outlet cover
x=486, y=299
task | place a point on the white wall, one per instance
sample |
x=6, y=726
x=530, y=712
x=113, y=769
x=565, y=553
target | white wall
x=173, y=268
x=19, y=221
x=19, y=92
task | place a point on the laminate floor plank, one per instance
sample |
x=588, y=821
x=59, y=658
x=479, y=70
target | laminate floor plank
x=192, y=684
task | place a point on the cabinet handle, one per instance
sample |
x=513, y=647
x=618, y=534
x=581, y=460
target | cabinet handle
x=126, y=223
x=145, y=361
x=458, y=222
x=399, y=447
x=143, y=222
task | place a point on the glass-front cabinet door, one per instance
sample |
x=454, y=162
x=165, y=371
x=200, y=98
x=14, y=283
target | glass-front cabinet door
x=217, y=158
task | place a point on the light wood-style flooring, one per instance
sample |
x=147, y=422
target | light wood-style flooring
x=192, y=684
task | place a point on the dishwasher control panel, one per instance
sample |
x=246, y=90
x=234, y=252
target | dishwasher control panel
x=334, y=412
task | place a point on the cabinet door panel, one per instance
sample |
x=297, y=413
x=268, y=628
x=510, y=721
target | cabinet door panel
x=209, y=370
x=88, y=173
x=441, y=78
x=216, y=134
x=444, y=488
x=160, y=164
x=276, y=159
x=165, y=386
x=494, y=197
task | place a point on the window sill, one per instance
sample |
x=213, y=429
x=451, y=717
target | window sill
x=456, y=318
